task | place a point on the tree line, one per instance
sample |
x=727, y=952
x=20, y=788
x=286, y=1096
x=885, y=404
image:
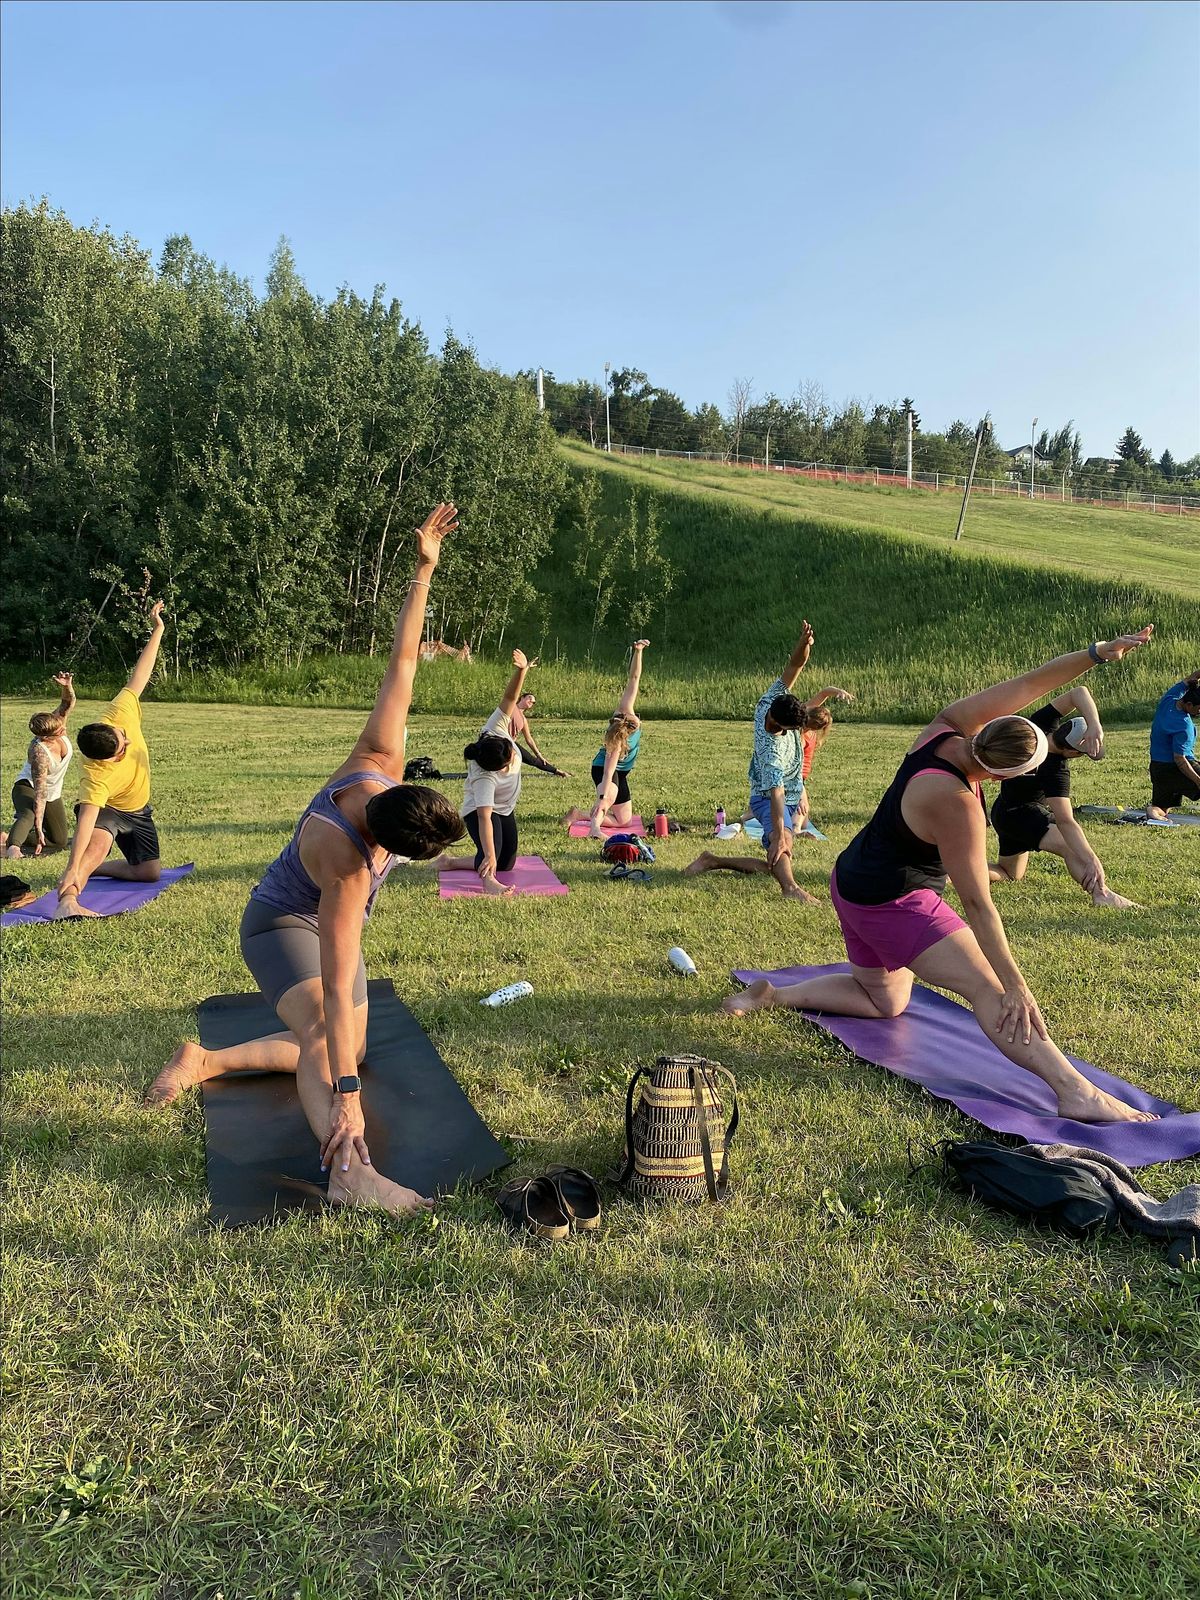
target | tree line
x=258, y=460
x=809, y=427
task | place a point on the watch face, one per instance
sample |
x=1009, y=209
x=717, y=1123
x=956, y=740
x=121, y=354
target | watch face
x=347, y=1085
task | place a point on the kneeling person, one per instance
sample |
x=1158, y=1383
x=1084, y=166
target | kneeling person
x=1174, y=770
x=114, y=796
x=1034, y=812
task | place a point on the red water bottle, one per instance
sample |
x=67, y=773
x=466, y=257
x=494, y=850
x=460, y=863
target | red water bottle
x=661, y=824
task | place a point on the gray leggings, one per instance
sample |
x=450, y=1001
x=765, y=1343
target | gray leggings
x=54, y=819
x=282, y=950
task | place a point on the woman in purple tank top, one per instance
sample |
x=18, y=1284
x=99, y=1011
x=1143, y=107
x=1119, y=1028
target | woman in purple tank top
x=301, y=934
x=887, y=886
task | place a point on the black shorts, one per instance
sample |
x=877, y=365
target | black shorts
x=1169, y=787
x=621, y=779
x=1021, y=828
x=134, y=831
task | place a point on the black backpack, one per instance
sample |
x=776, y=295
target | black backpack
x=1058, y=1194
x=419, y=769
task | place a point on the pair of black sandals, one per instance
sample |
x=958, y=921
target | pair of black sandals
x=562, y=1201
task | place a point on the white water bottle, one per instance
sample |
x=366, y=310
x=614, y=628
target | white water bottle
x=681, y=961
x=510, y=992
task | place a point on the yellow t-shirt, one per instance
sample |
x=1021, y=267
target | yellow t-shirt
x=124, y=783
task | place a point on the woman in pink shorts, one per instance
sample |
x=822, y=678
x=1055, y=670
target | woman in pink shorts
x=887, y=886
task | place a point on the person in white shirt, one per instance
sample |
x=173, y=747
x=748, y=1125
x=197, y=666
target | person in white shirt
x=493, y=788
x=37, y=793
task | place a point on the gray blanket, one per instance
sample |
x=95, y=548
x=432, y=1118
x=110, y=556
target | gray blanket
x=1161, y=1219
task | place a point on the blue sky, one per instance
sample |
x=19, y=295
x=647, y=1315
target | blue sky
x=975, y=204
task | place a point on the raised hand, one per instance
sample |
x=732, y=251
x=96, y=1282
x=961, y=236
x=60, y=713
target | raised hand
x=806, y=633
x=156, y=611
x=443, y=519
x=1116, y=649
x=64, y=680
x=520, y=661
x=641, y=644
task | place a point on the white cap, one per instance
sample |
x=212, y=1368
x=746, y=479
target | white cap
x=1074, y=734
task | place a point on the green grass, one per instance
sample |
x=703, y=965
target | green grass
x=1143, y=546
x=849, y=1381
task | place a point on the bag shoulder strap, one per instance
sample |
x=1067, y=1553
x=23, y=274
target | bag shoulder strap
x=627, y=1171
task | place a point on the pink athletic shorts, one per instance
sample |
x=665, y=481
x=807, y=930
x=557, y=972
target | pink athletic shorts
x=894, y=934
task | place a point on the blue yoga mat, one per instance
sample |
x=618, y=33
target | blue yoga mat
x=938, y=1044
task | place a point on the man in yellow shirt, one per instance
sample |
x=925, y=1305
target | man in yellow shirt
x=114, y=795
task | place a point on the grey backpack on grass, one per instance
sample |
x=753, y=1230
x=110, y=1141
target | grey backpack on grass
x=676, y=1136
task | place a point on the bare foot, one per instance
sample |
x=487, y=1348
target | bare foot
x=365, y=1187
x=12, y=852
x=1083, y=1103
x=1115, y=901
x=703, y=863
x=595, y=832
x=760, y=993
x=797, y=893
x=185, y=1068
x=70, y=907
x=494, y=886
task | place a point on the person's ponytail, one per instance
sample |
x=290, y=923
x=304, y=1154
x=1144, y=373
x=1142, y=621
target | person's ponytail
x=471, y=753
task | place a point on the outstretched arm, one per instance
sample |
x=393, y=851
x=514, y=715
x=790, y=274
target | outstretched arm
x=66, y=683
x=69, y=887
x=144, y=666
x=629, y=698
x=382, y=740
x=798, y=659
x=822, y=695
x=600, y=809
x=968, y=715
x=514, y=689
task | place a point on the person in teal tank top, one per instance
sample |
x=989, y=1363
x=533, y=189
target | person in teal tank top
x=616, y=757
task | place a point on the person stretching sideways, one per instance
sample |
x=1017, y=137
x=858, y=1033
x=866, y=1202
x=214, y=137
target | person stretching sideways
x=492, y=790
x=522, y=733
x=114, y=796
x=37, y=793
x=777, y=798
x=1025, y=823
x=301, y=933
x=1174, y=770
x=614, y=760
x=887, y=887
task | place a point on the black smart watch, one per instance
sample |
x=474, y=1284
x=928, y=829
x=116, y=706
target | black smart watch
x=350, y=1083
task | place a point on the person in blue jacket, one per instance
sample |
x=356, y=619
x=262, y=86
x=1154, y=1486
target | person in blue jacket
x=1174, y=770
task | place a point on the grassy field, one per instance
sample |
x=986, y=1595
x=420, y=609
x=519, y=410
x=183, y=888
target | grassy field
x=848, y=1381
x=904, y=619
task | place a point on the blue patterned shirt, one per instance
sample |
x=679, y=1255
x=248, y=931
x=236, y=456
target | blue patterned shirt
x=778, y=759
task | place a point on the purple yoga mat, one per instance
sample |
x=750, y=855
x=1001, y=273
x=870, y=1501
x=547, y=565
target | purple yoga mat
x=530, y=875
x=107, y=897
x=938, y=1044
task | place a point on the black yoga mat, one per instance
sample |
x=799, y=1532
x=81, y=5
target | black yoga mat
x=421, y=1128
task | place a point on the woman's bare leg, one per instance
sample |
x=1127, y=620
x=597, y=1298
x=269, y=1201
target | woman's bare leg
x=958, y=964
x=871, y=992
x=192, y=1064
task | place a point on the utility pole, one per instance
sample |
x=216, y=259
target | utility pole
x=980, y=433
x=541, y=391
x=607, y=423
x=908, y=416
x=1032, y=455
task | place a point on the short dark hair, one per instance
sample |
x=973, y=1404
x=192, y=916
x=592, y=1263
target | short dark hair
x=787, y=711
x=98, y=741
x=410, y=820
x=490, y=751
x=1191, y=696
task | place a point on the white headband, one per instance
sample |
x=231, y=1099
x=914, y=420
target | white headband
x=1041, y=750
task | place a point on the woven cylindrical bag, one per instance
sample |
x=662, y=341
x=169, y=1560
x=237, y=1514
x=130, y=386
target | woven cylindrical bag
x=676, y=1136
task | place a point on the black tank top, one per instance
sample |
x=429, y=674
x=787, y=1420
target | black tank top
x=886, y=859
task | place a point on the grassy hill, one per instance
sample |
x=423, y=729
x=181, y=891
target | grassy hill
x=904, y=617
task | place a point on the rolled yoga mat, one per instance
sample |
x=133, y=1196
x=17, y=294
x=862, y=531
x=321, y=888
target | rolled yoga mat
x=938, y=1044
x=107, y=897
x=579, y=830
x=529, y=875
x=422, y=1131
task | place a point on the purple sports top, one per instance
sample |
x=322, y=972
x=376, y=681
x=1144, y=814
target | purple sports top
x=287, y=886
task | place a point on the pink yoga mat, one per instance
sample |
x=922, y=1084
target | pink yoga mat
x=107, y=897
x=938, y=1044
x=530, y=875
x=579, y=830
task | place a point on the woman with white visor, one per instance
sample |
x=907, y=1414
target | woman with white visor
x=887, y=885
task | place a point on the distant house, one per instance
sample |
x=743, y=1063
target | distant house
x=1020, y=457
x=1100, y=466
